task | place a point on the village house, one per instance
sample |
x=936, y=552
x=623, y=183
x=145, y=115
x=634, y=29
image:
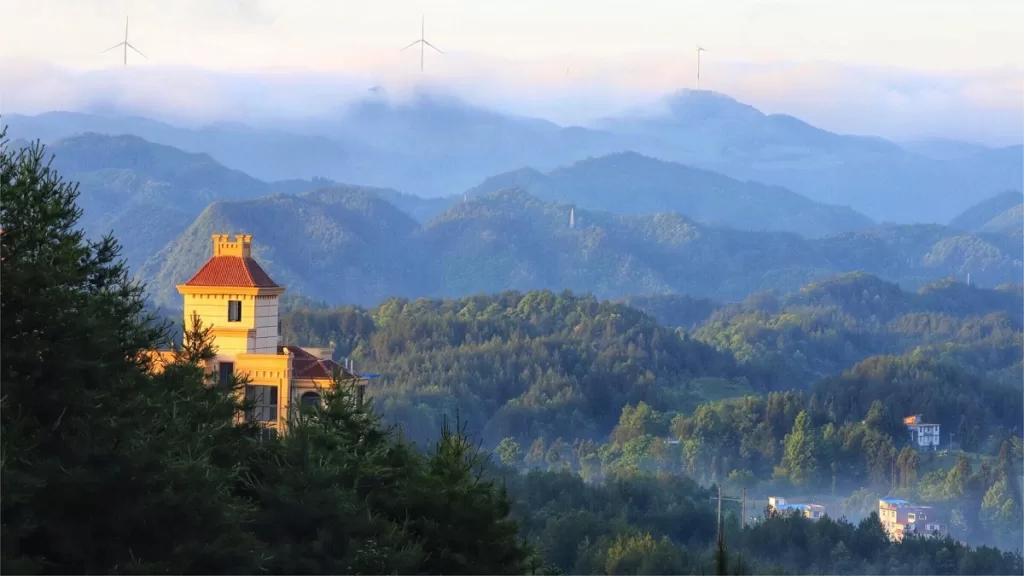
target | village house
x=900, y=518
x=923, y=436
x=812, y=511
x=238, y=300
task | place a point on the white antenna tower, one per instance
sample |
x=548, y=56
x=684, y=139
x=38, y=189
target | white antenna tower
x=422, y=42
x=699, y=50
x=572, y=218
x=126, y=45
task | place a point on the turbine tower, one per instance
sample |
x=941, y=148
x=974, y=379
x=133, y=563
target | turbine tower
x=699, y=50
x=126, y=45
x=422, y=42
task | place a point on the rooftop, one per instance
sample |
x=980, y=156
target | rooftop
x=232, y=265
x=306, y=365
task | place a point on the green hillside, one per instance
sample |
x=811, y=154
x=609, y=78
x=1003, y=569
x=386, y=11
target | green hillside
x=831, y=325
x=367, y=250
x=346, y=242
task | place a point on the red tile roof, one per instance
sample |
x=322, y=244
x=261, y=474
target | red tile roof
x=306, y=365
x=232, y=271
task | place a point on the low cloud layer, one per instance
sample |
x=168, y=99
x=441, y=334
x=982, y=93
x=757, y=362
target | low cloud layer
x=985, y=107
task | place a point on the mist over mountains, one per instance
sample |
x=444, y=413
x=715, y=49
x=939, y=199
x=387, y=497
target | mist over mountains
x=433, y=146
x=701, y=195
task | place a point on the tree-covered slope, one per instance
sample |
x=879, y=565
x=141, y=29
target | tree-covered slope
x=342, y=241
x=518, y=364
x=829, y=326
x=511, y=240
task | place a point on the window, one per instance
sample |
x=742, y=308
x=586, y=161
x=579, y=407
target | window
x=234, y=311
x=224, y=372
x=279, y=327
x=262, y=403
x=311, y=399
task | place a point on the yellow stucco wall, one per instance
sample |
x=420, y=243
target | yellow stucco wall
x=269, y=370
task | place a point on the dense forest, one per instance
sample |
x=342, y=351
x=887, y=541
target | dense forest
x=802, y=393
x=604, y=433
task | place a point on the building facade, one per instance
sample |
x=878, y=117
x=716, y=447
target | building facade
x=812, y=511
x=901, y=518
x=923, y=436
x=238, y=300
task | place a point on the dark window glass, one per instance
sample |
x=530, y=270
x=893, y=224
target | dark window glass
x=224, y=373
x=234, y=311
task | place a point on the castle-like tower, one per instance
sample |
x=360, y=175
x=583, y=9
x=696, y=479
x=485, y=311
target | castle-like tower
x=238, y=300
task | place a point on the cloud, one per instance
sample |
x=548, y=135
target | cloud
x=984, y=106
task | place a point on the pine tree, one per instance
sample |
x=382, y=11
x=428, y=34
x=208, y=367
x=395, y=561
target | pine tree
x=801, y=452
x=105, y=467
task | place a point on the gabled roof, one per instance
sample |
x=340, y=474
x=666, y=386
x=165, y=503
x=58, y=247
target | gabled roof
x=307, y=366
x=234, y=271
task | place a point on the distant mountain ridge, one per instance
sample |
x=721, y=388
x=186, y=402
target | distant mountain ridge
x=349, y=245
x=1000, y=213
x=630, y=183
x=434, y=146
x=148, y=193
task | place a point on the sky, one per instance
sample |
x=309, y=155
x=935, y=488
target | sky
x=901, y=69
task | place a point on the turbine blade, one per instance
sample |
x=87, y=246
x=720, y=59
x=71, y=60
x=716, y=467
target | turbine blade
x=411, y=45
x=118, y=45
x=137, y=51
x=434, y=47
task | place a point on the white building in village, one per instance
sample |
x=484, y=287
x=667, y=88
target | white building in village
x=923, y=436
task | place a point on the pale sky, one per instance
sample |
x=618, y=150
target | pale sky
x=917, y=57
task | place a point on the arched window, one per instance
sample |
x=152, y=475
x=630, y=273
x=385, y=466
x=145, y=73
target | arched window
x=310, y=399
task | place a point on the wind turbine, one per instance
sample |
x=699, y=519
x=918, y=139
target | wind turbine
x=126, y=45
x=699, y=50
x=422, y=42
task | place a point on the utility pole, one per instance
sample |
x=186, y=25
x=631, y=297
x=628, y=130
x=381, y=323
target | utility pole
x=743, y=506
x=743, y=509
x=719, y=509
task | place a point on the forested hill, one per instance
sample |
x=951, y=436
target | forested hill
x=512, y=240
x=830, y=325
x=541, y=364
x=521, y=365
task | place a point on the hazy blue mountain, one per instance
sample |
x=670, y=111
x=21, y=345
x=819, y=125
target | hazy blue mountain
x=1009, y=221
x=433, y=145
x=146, y=193
x=944, y=149
x=429, y=146
x=873, y=176
x=352, y=246
x=268, y=154
x=629, y=183
x=977, y=217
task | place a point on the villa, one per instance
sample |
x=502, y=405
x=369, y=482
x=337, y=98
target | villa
x=234, y=296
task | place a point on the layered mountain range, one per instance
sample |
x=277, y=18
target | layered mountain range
x=435, y=146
